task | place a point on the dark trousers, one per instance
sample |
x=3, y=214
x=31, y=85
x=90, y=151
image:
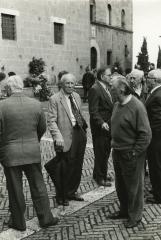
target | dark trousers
x=129, y=181
x=75, y=160
x=102, y=149
x=85, y=97
x=38, y=193
x=154, y=162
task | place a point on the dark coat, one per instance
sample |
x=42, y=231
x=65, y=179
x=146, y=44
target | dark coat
x=88, y=80
x=153, y=106
x=22, y=124
x=100, y=107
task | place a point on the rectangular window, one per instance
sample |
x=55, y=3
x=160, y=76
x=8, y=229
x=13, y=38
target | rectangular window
x=58, y=33
x=8, y=26
x=109, y=55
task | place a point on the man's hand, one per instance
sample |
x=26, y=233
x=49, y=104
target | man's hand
x=59, y=145
x=105, y=126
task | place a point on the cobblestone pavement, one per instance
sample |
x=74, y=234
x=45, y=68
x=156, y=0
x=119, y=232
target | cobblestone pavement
x=90, y=221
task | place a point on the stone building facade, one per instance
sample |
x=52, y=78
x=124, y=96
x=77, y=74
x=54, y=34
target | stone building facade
x=67, y=34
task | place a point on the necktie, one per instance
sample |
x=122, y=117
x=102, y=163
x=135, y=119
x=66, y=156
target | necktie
x=109, y=94
x=76, y=112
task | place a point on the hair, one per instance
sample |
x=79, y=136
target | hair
x=60, y=74
x=2, y=76
x=156, y=74
x=66, y=76
x=100, y=72
x=11, y=74
x=15, y=83
x=121, y=83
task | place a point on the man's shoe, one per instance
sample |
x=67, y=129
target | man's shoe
x=76, y=197
x=131, y=224
x=104, y=183
x=118, y=215
x=52, y=223
x=152, y=201
x=65, y=202
x=22, y=229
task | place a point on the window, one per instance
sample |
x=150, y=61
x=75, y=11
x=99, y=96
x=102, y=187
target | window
x=58, y=33
x=109, y=56
x=92, y=11
x=123, y=18
x=109, y=14
x=126, y=51
x=8, y=26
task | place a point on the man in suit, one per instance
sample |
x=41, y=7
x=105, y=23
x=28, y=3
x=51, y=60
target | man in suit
x=100, y=110
x=153, y=105
x=68, y=130
x=131, y=135
x=22, y=124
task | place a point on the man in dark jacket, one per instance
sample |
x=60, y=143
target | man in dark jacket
x=100, y=110
x=153, y=106
x=22, y=124
x=87, y=82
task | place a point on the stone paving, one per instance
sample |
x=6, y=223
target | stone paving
x=89, y=221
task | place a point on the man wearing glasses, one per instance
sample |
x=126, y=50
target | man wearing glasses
x=153, y=105
x=100, y=110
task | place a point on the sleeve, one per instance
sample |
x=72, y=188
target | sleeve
x=93, y=100
x=41, y=127
x=144, y=134
x=52, y=119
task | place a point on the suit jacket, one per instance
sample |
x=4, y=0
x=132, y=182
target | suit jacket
x=100, y=107
x=22, y=124
x=59, y=118
x=153, y=106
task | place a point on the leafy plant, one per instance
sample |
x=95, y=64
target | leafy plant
x=36, y=66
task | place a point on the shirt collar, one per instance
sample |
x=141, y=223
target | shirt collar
x=155, y=88
x=127, y=100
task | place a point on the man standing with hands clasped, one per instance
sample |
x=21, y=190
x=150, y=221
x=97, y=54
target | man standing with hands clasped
x=131, y=135
x=100, y=110
x=68, y=129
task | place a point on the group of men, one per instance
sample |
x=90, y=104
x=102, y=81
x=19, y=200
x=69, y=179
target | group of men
x=118, y=120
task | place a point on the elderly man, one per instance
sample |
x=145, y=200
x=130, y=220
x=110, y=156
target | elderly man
x=22, y=124
x=68, y=129
x=100, y=110
x=135, y=80
x=153, y=105
x=131, y=135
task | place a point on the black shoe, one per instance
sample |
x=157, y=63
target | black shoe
x=131, y=224
x=65, y=202
x=153, y=201
x=76, y=197
x=104, y=183
x=118, y=215
x=52, y=223
x=22, y=229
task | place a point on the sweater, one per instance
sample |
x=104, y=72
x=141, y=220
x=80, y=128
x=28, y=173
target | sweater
x=130, y=128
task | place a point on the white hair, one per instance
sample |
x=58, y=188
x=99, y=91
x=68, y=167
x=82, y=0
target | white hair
x=15, y=83
x=66, y=77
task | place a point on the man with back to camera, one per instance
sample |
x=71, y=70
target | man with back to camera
x=100, y=110
x=22, y=124
x=131, y=135
x=153, y=106
x=68, y=129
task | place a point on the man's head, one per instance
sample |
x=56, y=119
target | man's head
x=88, y=69
x=154, y=79
x=68, y=82
x=151, y=66
x=104, y=75
x=14, y=84
x=11, y=74
x=120, y=88
x=135, y=79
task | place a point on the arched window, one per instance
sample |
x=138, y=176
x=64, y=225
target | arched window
x=109, y=14
x=92, y=11
x=123, y=18
x=93, y=58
